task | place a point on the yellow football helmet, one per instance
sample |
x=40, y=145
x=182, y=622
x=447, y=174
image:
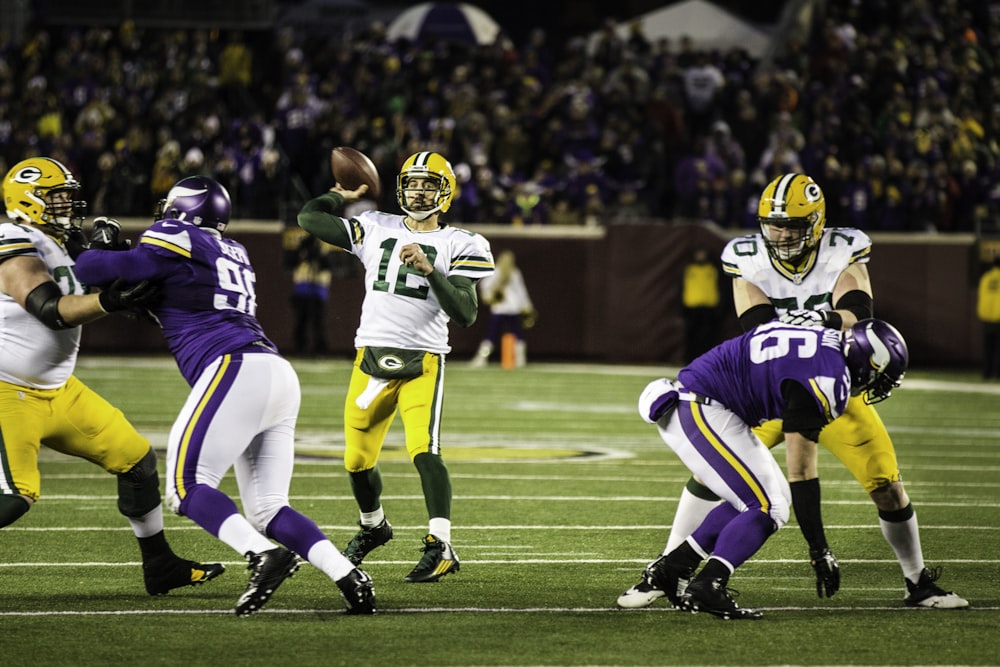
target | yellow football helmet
x=433, y=193
x=30, y=192
x=791, y=213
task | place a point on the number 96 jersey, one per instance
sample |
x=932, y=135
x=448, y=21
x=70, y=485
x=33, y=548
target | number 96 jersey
x=400, y=308
x=809, y=288
x=208, y=304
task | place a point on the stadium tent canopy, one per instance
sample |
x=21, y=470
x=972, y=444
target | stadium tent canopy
x=709, y=27
x=444, y=20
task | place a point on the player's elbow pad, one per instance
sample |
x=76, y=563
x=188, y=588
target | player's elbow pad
x=857, y=302
x=759, y=314
x=43, y=303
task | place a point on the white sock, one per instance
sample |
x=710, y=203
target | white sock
x=904, y=538
x=148, y=524
x=691, y=511
x=370, y=519
x=325, y=557
x=237, y=532
x=441, y=529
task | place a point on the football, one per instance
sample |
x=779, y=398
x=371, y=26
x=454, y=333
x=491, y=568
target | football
x=352, y=168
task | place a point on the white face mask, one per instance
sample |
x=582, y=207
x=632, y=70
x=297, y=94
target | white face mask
x=421, y=202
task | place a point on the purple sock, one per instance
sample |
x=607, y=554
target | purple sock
x=295, y=530
x=208, y=507
x=708, y=532
x=743, y=536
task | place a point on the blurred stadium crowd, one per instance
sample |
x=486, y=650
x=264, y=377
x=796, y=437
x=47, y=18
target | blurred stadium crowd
x=894, y=107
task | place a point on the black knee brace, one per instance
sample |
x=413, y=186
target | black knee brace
x=12, y=508
x=139, y=488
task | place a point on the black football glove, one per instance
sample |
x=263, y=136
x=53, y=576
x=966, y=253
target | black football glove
x=75, y=242
x=106, y=235
x=827, y=571
x=120, y=295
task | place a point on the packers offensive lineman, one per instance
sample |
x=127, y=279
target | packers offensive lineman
x=42, y=305
x=802, y=273
x=419, y=274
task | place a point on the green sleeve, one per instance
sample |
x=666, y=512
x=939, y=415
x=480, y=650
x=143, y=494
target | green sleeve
x=457, y=295
x=319, y=217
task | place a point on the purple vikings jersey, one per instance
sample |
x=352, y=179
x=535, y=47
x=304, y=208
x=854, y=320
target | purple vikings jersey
x=746, y=373
x=208, y=300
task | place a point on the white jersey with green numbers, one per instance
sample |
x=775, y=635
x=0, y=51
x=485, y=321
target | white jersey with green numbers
x=811, y=288
x=400, y=308
x=31, y=354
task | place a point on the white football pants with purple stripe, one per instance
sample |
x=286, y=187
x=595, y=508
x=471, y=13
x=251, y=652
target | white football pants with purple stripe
x=722, y=451
x=240, y=414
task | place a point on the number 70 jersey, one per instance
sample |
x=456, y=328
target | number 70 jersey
x=811, y=287
x=400, y=308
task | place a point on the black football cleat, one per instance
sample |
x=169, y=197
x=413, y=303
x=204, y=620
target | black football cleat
x=660, y=578
x=365, y=540
x=164, y=575
x=358, y=592
x=438, y=560
x=712, y=597
x=925, y=593
x=268, y=570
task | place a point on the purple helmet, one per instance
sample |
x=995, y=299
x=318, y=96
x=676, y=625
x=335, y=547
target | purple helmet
x=198, y=200
x=876, y=358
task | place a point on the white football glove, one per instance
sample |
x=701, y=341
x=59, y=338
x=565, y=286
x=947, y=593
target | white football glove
x=806, y=318
x=657, y=399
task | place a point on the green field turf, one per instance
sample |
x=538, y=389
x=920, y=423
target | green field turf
x=562, y=495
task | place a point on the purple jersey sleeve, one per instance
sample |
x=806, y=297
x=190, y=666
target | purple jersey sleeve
x=746, y=373
x=208, y=307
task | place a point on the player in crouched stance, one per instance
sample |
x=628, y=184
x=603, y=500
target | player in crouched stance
x=801, y=375
x=802, y=272
x=244, y=398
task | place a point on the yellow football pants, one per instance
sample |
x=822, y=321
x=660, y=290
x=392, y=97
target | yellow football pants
x=419, y=401
x=73, y=420
x=858, y=438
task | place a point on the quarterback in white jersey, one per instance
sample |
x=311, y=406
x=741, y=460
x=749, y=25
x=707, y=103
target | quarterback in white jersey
x=419, y=275
x=800, y=272
x=400, y=308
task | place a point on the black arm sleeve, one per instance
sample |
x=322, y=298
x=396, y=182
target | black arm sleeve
x=801, y=414
x=759, y=314
x=43, y=303
x=858, y=302
x=806, y=503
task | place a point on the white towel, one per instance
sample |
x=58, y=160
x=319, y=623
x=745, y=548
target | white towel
x=375, y=385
